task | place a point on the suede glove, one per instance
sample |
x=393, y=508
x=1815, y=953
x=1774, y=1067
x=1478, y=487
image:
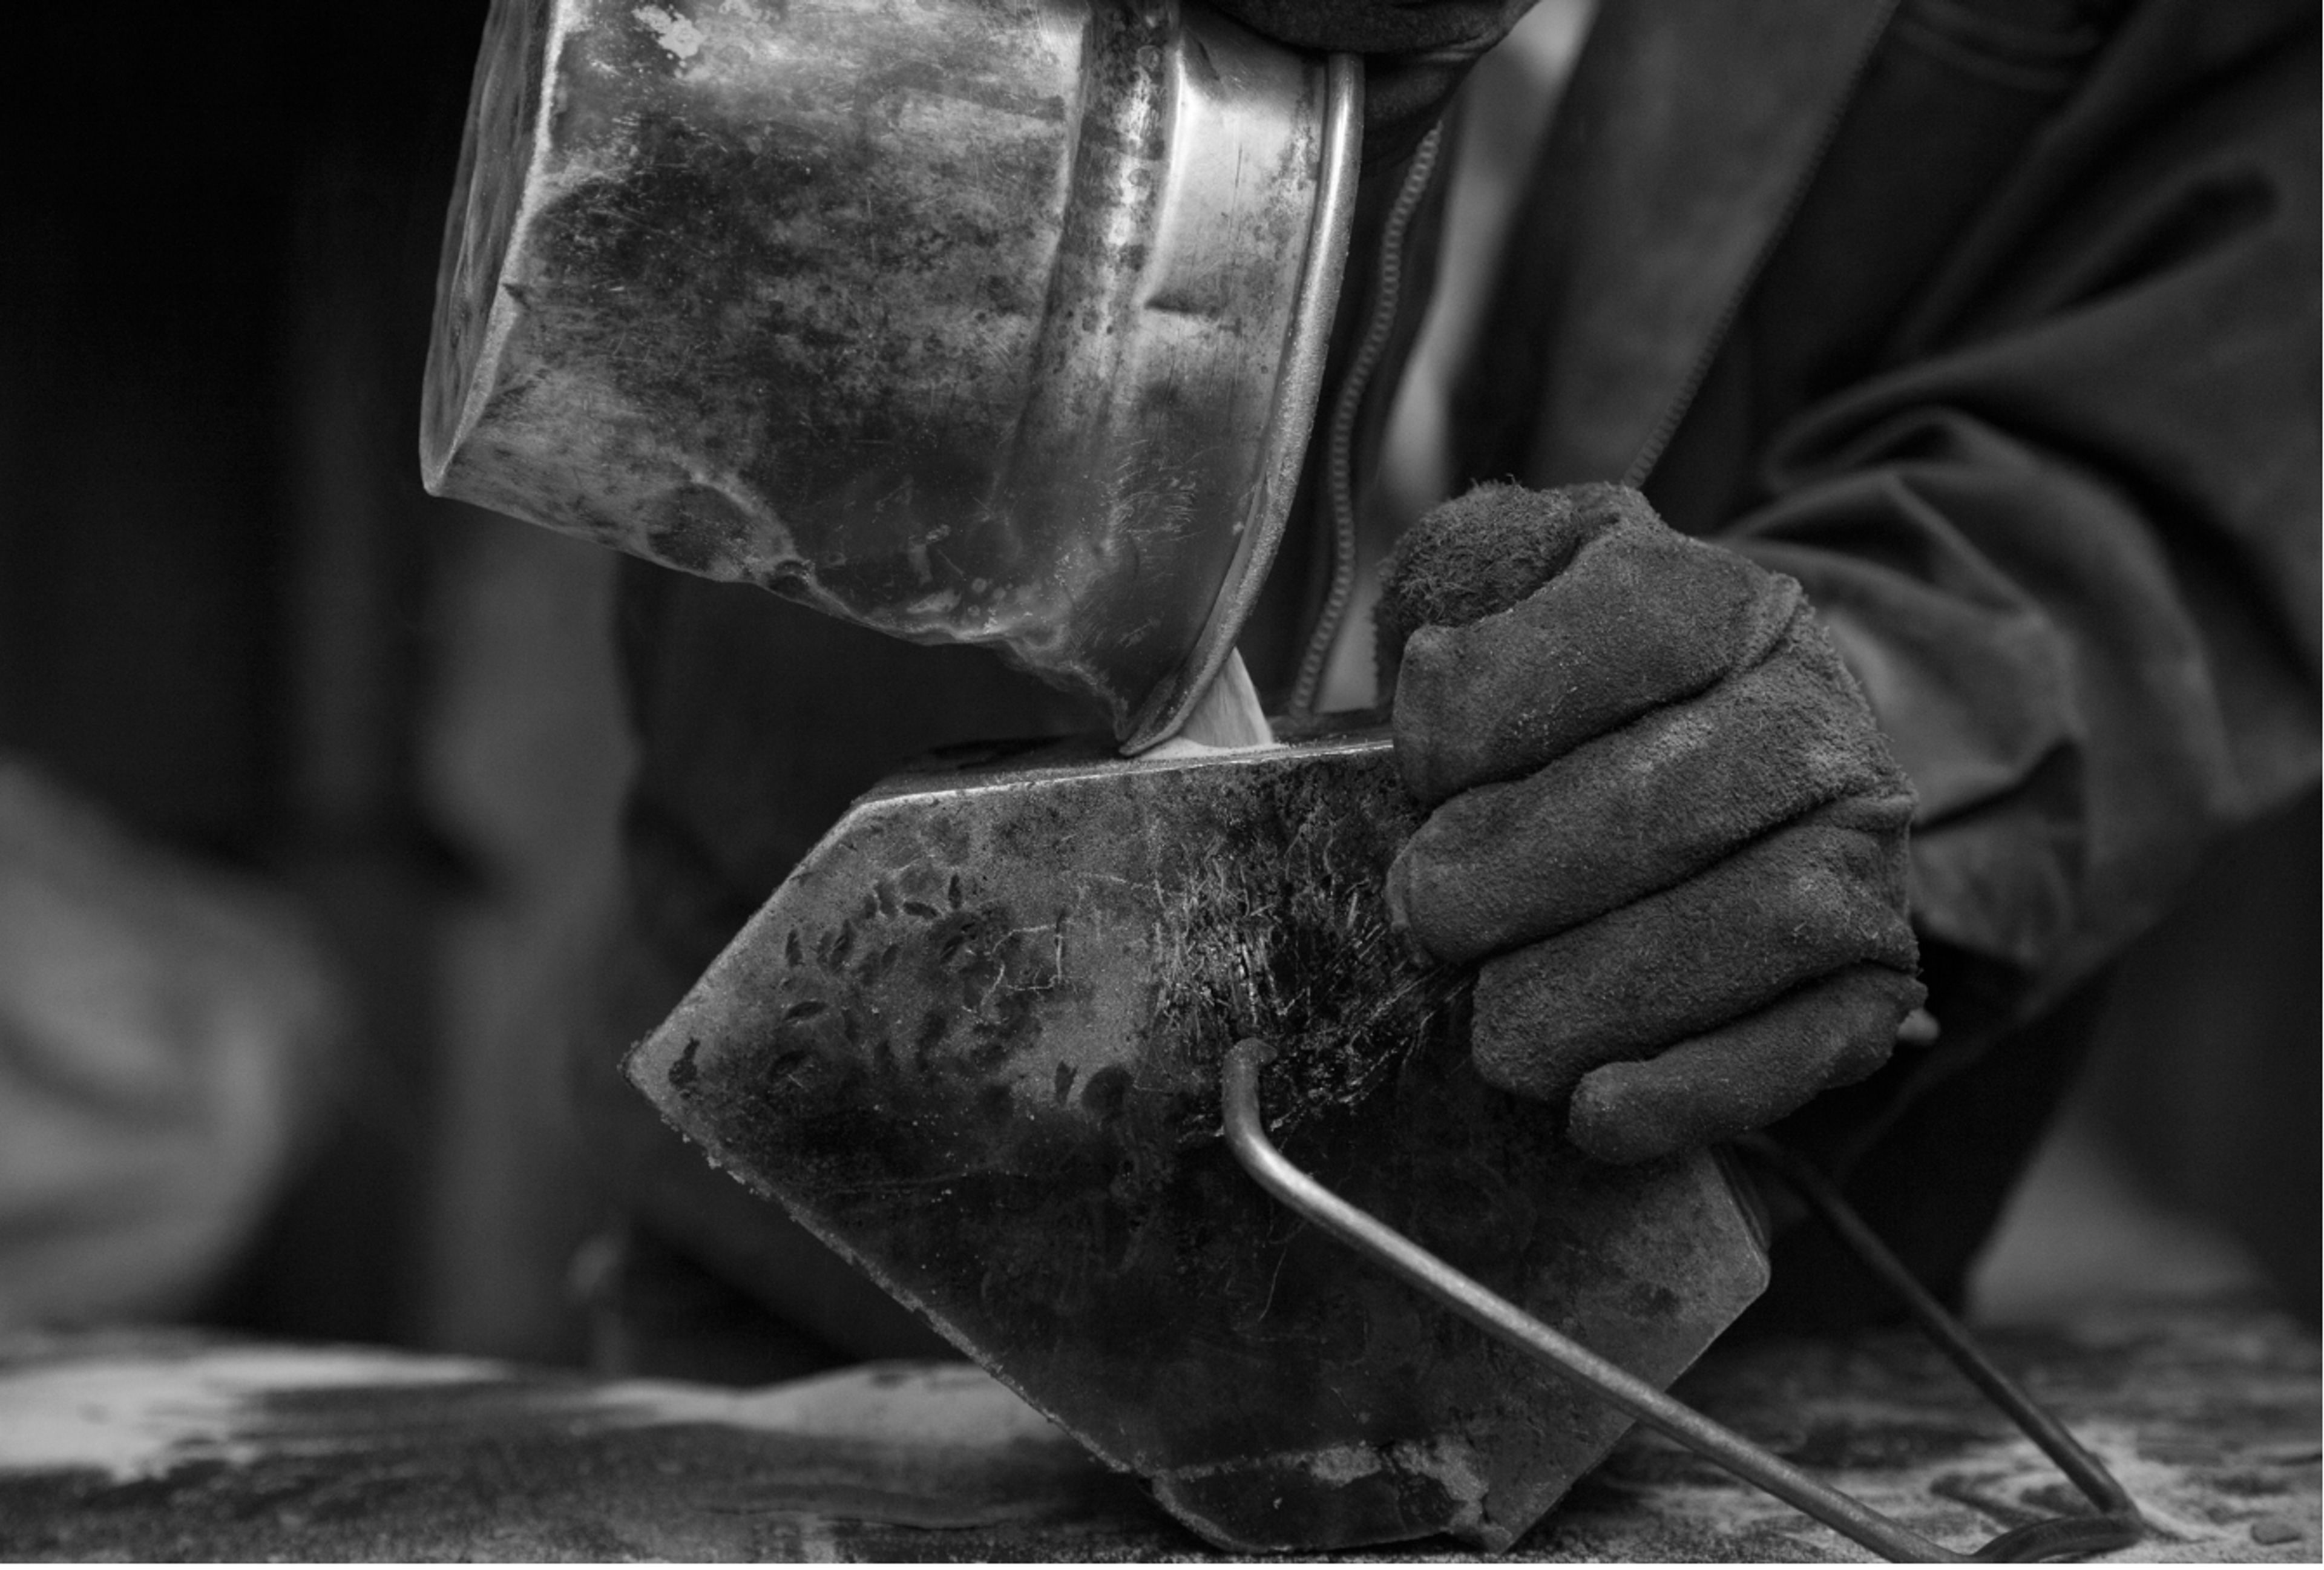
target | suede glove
x=1664, y=826
x=1415, y=53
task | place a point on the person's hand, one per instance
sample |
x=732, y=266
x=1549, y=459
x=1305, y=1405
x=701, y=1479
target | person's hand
x=1664, y=825
x=1415, y=53
x=162, y=1025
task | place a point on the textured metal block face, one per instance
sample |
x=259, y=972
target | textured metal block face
x=975, y=1043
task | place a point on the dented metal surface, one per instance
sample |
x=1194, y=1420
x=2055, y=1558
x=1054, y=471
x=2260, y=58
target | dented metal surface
x=975, y=1043
x=994, y=321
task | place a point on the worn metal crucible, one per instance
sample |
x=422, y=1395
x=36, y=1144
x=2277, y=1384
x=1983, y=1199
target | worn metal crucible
x=974, y=1044
x=989, y=322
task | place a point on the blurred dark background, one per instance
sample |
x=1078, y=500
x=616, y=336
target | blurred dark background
x=233, y=619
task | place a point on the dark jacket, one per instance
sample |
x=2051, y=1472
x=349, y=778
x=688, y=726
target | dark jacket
x=1996, y=324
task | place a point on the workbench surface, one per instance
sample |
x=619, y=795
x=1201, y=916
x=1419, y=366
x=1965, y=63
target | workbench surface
x=164, y=1446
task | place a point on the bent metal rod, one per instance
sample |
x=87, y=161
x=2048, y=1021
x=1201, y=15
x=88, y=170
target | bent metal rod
x=2116, y=1524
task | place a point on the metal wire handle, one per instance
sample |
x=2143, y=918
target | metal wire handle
x=2117, y=1526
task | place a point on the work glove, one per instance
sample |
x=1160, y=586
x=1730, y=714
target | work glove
x=1415, y=53
x=1665, y=826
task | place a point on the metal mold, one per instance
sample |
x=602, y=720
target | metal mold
x=975, y=1043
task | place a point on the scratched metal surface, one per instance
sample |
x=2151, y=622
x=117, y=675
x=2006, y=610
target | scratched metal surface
x=159, y=1446
x=974, y=1044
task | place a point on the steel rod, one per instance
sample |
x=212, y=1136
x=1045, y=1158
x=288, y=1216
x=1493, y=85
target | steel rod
x=1247, y=1137
x=2116, y=1525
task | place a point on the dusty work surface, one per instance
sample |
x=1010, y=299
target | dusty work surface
x=156, y=1446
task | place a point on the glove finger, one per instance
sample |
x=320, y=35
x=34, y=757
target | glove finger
x=1746, y=1075
x=1639, y=811
x=1487, y=549
x=1641, y=617
x=1809, y=900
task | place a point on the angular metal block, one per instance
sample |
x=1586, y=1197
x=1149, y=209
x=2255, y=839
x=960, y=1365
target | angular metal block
x=973, y=1043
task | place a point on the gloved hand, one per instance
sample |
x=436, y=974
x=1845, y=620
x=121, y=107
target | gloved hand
x=1415, y=53
x=1664, y=821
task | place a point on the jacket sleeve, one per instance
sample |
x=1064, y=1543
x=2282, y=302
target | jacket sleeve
x=2066, y=533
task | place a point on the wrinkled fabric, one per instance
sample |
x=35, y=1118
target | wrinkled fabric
x=2026, y=398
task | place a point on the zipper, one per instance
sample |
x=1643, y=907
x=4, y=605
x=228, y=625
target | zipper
x=1339, y=462
x=1642, y=465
